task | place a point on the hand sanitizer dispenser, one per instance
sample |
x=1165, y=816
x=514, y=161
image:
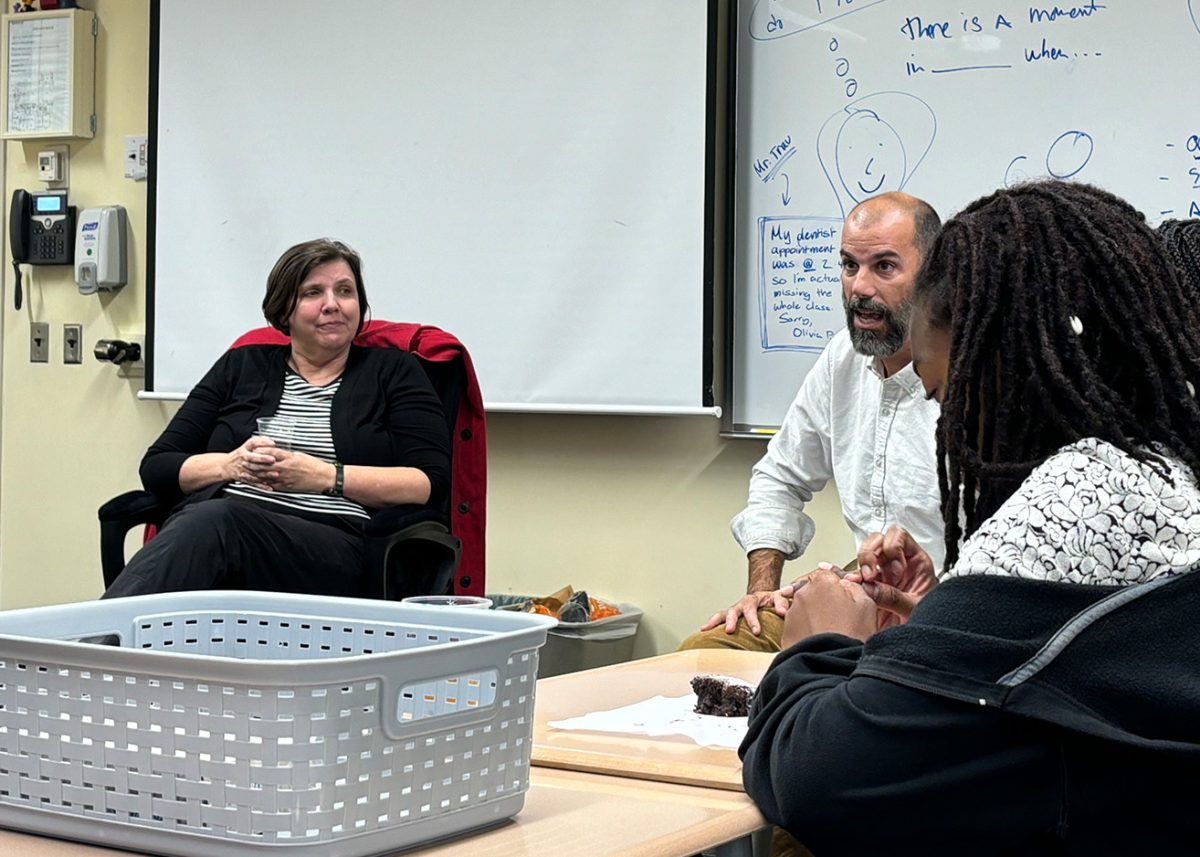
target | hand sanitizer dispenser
x=100, y=249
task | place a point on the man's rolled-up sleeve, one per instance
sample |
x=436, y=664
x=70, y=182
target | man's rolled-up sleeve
x=798, y=463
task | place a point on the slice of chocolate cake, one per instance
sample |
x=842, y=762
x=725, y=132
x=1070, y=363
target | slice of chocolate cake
x=721, y=695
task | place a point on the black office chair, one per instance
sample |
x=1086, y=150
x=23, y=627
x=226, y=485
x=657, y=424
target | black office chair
x=409, y=550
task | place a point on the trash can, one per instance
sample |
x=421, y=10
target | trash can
x=574, y=646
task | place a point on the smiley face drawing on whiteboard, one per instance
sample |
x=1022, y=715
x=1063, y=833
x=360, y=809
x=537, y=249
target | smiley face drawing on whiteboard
x=869, y=153
x=874, y=145
x=1194, y=11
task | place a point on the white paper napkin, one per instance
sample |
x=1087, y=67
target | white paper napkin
x=663, y=715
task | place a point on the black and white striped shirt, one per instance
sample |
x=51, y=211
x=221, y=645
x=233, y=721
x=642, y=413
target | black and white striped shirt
x=302, y=425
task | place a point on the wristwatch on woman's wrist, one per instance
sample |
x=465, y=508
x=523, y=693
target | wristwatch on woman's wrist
x=339, y=481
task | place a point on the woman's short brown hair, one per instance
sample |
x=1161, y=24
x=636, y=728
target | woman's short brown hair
x=294, y=266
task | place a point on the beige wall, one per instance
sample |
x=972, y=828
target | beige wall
x=71, y=433
x=634, y=508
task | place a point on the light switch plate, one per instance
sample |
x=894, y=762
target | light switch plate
x=72, y=343
x=39, y=342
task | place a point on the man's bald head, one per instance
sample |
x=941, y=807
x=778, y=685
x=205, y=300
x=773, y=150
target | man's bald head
x=925, y=220
x=884, y=240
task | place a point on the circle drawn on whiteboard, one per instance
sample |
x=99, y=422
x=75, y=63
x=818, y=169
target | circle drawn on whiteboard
x=1194, y=11
x=1017, y=172
x=1069, y=154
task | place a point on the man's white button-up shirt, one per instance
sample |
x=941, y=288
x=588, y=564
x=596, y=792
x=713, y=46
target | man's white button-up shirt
x=874, y=436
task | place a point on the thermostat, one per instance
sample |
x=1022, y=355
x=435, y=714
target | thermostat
x=51, y=165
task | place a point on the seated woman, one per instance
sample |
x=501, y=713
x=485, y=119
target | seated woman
x=369, y=432
x=1040, y=696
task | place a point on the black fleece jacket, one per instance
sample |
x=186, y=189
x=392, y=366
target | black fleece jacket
x=1006, y=716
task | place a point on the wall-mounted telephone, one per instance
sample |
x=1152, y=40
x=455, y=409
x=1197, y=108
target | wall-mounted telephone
x=41, y=231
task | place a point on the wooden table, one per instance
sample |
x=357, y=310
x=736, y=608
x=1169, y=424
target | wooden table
x=584, y=815
x=674, y=759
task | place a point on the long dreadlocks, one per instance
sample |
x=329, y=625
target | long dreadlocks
x=1067, y=321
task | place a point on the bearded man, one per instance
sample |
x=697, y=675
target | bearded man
x=861, y=418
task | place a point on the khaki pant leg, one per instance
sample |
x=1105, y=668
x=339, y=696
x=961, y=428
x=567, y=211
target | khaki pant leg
x=741, y=639
x=783, y=844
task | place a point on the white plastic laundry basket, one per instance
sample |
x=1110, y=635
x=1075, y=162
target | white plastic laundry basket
x=243, y=723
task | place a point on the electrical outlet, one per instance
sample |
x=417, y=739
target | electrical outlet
x=72, y=343
x=39, y=342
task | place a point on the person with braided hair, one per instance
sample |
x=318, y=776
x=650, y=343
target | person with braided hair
x=1181, y=238
x=1039, y=694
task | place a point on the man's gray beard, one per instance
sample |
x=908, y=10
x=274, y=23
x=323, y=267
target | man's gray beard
x=895, y=331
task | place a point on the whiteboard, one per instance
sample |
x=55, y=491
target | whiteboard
x=841, y=99
x=527, y=174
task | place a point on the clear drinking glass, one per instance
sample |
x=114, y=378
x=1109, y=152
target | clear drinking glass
x=279, y=429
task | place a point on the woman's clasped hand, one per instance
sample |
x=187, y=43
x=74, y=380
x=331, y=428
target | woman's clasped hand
x=268, y=467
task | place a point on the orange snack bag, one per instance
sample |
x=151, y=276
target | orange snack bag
x=602, y=609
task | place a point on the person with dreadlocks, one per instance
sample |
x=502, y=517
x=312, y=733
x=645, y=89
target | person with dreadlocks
x=1039, y=696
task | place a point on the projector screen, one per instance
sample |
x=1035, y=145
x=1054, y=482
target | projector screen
x=530, y=175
